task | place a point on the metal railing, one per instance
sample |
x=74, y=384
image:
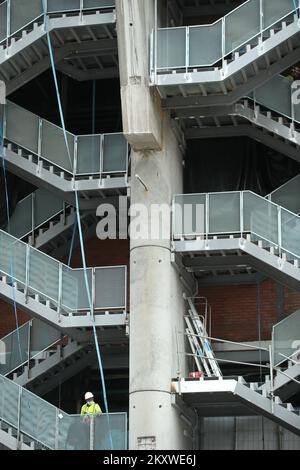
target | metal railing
x=184, y=48
x=34, y=211
x=99, y=154
x=29, y=342
x=272, y=367
x=57, y=283
x=235, y=343
x=286, y=340
x=15, y=16
x=204, y=311
x=287, y=195
x=237, y=213
x=45, y=424
x=280, y=94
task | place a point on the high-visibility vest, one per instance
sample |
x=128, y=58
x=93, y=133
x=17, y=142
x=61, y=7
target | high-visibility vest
x=93, y=409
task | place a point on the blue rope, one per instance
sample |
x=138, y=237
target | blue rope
x=72, y=242
x=12, y=276
x=78, y=214
x=296, y=8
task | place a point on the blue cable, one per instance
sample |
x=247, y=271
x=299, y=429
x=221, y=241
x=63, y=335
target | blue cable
x=296, y=8
x=72, y=242
x=77, y=212
x=12, y=277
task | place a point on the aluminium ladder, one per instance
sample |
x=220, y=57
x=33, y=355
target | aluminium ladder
x=199, y=343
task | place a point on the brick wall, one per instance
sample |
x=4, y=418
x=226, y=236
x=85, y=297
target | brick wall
x=235, y=310
x=7, y=318
x=103, y=253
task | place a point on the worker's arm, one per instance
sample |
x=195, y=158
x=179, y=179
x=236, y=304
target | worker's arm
x=98, y=409
x=83, y=410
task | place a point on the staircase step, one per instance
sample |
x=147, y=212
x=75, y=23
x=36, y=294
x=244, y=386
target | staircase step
x=277, y=400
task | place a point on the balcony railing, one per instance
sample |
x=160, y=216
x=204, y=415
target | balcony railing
x=34, y=211
x=16, y=15
x=287, y=195
x=236, y=213
x=63, y=287
x=98, y=155
x=19, y=347
x=286, y=339
x=56, y=430
x=280, y=94
x=192, y=47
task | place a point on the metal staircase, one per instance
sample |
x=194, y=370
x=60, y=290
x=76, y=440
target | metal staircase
x=268, y=115
x=37, y=210
x=82, y=33
x=35, y=150
x=284, y=384
x=55, y=293
x=200, y=345
x=213, y=395
x=44, y=356
x=234, y=233
x=235, y=397
x=57, y=343
x=237, y=53
x=29, y=423
x=45, y=222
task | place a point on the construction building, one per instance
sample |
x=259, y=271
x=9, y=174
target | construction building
x=134, y=105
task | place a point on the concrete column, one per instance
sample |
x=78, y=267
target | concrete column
x=156, y=294
x=141, y=104
x=156, y=309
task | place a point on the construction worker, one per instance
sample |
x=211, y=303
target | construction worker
x=90, y=407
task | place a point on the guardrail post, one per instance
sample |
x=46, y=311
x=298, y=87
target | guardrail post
x=126, y=283
x=187, y=49
x=40, y=140
x=155, y=41
x=27, y=272
x=127, y=160
x=8, y=24
x=29, y=347
x=173, y=218
x=102, y=137
x=92, y=432
x=242, y=213
x=261, y=16
x=223, y=41
x=151, y=60
x=279, y=230
x=4, y=121
x=32, y=217
x=93, y=291
x=19, y=419
x=271, y=379
x=44, y=12
x=59, y=300
x=207, y=216
x=75, y=159
x=56, y=438
x=292, y=108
